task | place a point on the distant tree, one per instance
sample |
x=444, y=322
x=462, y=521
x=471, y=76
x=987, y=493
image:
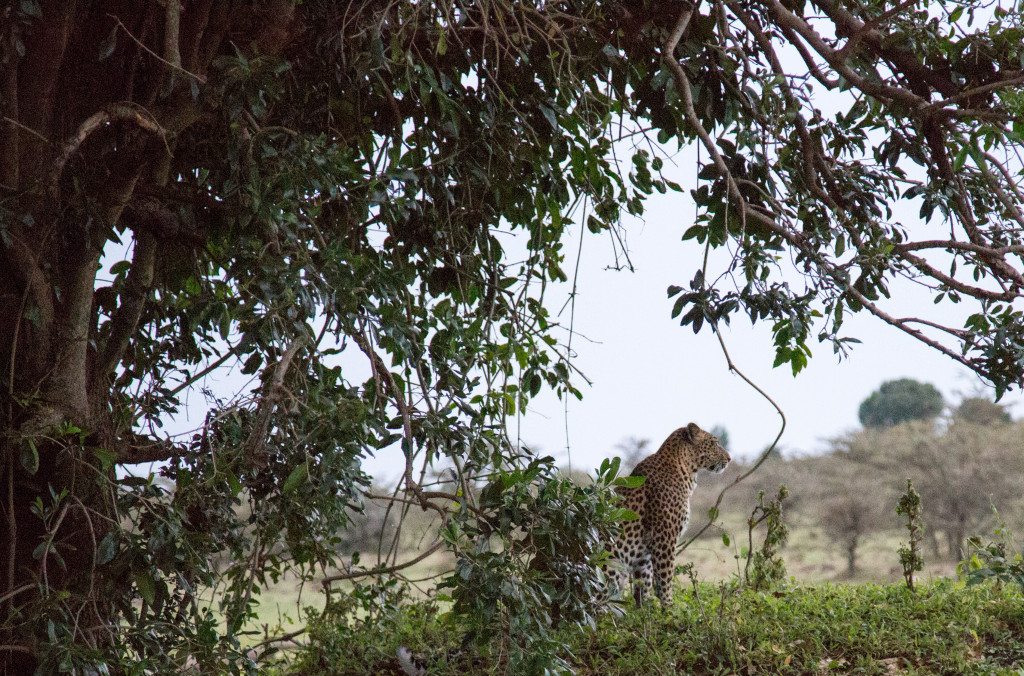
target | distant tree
x=632, y=450
x=960, y=471
x=964, y=473
x=900, y=400
x=723, y=436
x=850, y=504
x=981, y=411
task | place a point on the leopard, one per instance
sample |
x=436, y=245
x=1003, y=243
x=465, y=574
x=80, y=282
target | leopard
x=645, y=548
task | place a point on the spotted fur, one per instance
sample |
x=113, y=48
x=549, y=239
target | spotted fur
x=645, y=548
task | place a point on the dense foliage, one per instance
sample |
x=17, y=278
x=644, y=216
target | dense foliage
x=319, y=194
x=897, y=401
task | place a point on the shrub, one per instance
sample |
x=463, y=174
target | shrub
x=911, y=560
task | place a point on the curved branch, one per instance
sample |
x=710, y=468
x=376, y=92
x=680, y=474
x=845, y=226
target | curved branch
x=683, y=86
x=253, y=450
x=381, y=373
x=955, y=284
x=761, y=459
x=114, y=112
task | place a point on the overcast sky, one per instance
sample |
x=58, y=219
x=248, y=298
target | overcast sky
x=650, y=375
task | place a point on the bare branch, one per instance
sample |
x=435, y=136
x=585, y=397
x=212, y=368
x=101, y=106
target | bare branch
x=382, y=570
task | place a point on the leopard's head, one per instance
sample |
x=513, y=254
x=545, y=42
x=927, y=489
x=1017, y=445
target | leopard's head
x=710, y=454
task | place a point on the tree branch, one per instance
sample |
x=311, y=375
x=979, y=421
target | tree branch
x=382, y=570
x=132, y=302
x=114, y=112
x=255, y=445
x=381, y=372
x=683, y=87
x=139, y=448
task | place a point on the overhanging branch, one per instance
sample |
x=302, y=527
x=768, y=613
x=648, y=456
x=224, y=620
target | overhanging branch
x=112, y=113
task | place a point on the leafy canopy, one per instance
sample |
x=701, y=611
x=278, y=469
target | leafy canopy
x=298, y=181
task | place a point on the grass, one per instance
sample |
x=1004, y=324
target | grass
x=811, y=557
x=943, y=628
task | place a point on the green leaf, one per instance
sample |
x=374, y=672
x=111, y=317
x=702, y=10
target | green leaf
x=296, y=477
x=234, y=483
x=225, y=323
x=630, y=481
x=106, y=550
x=725, y=539
x=30, y=456
x=623, y=514
x=106, y=457
x=146, y=586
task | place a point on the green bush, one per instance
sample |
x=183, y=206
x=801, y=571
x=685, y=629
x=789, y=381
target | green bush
x=946, y=627
x=998, y=559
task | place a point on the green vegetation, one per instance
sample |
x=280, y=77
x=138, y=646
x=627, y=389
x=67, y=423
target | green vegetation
x=909, y=507
x=360, y=206
x=898, y=401
x=946, y=627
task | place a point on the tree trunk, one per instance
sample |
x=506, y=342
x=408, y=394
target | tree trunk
x=93, y=99
x=58, y=500
x=956, y=535
x=851, y=556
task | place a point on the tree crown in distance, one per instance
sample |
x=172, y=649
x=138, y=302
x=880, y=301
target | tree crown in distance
x=901, y=400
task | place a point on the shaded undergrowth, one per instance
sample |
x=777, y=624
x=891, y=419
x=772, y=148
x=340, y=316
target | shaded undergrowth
x=945, y=627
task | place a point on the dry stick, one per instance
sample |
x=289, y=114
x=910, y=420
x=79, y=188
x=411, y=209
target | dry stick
x=15, y=592
x=212, y=366
x=15, y=649
x=290, y=636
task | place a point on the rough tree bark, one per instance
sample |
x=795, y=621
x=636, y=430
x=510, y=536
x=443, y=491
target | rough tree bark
x=93, y=99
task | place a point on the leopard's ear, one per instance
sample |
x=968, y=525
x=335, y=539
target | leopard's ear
x=692, y=430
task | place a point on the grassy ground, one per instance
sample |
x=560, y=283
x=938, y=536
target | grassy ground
x=943, y=628
x=811, y=556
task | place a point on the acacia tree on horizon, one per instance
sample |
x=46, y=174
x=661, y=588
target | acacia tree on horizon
x=297, y=179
